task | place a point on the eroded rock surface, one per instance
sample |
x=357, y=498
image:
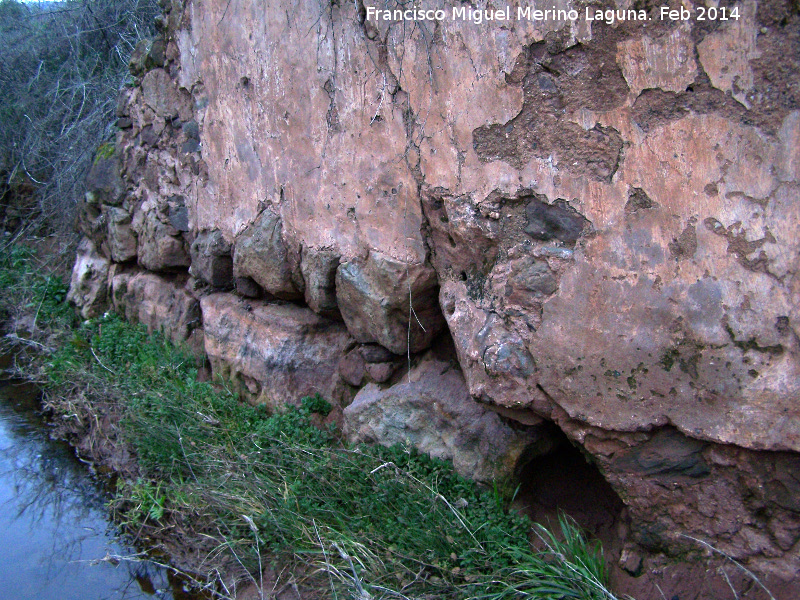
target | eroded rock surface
x=604, y=217
x=160, y=303
x=431, y=410
x=88, y=289
x=277, y=353
x=211, y=259
x=261, y=254
x=389, y=301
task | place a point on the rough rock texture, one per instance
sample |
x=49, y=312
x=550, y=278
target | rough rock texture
x=260, y=253
x=161, y=246
x=431, y=410
x=319, y=274
x=369, y=363
x=211, y=259
x=88, y=289
x=603, y=216
x=376, y=298
x=121, y=238
x=104, y=184
x=278, y=353
x=159, y=303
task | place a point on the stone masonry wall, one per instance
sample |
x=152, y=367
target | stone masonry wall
x=602, y=217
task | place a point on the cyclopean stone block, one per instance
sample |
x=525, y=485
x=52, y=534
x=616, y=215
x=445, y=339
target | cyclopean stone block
x=283, y=351
x=376, y=298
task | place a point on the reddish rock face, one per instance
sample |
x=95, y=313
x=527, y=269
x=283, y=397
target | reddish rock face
x=211, y=259
x=159, y=303
x=604, y=218
x=390, y=302
x=260, y=253
x=277, y=353
x=432, y=411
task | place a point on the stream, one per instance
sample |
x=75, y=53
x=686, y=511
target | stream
x=56, y=527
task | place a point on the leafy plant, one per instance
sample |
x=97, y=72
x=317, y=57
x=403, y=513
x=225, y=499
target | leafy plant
x=255, y=486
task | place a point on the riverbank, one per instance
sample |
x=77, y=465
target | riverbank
x=244, y=498
x=53, y=510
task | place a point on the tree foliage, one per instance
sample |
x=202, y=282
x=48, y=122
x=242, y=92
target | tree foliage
x=61, y=67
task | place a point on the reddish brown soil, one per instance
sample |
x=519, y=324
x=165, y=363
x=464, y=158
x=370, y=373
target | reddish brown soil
x=565, y=482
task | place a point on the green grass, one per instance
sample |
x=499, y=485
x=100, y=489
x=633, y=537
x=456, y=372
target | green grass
x=389, y=521
x=32, y=303
x=254, y=488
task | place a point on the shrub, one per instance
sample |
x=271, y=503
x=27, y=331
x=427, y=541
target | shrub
x=61, y=67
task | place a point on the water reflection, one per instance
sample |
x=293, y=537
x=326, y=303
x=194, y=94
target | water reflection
x=53, y=516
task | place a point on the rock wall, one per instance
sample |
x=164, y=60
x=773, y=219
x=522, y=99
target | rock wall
x=602, y=216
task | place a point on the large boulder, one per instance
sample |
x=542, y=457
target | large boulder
x=431, y=410
x=160, y=303
x=278, y=353
x=390, y=302
x=103, y=182
x=319, y=274
x=121, y=239
x=211, y=259
x=160, y=247
x=261, y=254
x=162, y=96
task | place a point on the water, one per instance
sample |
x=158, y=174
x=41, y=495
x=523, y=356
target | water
x=53, y=521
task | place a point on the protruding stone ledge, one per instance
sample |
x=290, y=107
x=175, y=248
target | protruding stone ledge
x=278, y=353
x=432, y=411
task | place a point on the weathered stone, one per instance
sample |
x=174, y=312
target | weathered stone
x=88, y=288
x=177, y=214
x=90, y=222
x=289, y=351
x=261, y=254
x=555, y=221
x=373, y=353
x=611, y=214
x=631, y=561
x=147, y=54
x=667, y=453
x=121, y=237
x=319, y=273
x=104, y=182
x=352, y=368
x=432, y=411
x=247, y=287
x=726, y=53
x=160, y=247
x=497, y=365
x=162, y=96
x=211, y=259
x=665, y=62
x=380, y=372
x=160, y=303
x=464, y=240
x=373, y=297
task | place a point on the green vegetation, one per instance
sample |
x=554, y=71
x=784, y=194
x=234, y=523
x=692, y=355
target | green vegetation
x=252, y=488
x=32, y=299
x=260, y=485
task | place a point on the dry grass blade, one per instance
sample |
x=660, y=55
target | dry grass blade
x=738, y=565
